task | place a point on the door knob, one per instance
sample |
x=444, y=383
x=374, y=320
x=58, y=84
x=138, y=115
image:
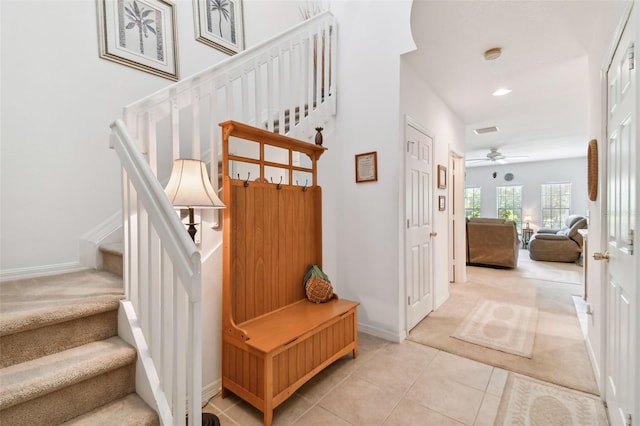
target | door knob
x=601, y=256
x=433, y=234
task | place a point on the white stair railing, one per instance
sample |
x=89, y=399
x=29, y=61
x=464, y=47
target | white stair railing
x=163, y=283
x=285, y=84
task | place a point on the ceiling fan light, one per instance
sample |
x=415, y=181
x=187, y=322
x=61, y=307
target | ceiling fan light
x=492, y=54
x=501, y=92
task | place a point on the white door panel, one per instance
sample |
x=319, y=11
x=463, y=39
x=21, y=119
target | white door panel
x=622, y=282
x=418, y=194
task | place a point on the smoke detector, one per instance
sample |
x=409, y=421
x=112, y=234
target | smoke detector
x=493, y=53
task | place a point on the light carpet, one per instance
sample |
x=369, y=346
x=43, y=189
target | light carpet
x=559, y=350
x=502, y=326
x=527, y=401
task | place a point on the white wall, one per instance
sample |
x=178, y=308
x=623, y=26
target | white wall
x=365, y=239
x=59, y=179
x=531, y=176
x=420, y=102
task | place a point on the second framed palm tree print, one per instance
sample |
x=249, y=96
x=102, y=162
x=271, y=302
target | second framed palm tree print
x=220, y=24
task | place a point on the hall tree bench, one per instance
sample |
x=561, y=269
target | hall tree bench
x=274, y=340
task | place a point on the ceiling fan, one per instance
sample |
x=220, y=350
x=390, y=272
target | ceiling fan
x=496, y=156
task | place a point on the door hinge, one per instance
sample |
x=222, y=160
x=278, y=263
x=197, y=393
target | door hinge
x=630, y=241
x=628, y=420
x=409, y=144
x=409, y=300
x=407, y=223
x=632, y=63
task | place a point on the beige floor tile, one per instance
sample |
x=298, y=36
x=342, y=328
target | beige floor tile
x=290, y=410
x=408, y=353
x=348, y=364
x=318, y=416
x=368, y=343
x=321, y=384
x=224, y=404
x=245, y=414
x=461, y=370
x=497, y=381
x=360, y=402
x=411, y=413
x=388, y=374
x=488, y=410
x=446, y=396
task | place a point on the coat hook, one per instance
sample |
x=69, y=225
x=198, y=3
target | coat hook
x=246, y=182
x=304, y=188
x=279, y=184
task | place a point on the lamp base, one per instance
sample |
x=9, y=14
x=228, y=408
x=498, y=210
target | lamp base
x=192, y=226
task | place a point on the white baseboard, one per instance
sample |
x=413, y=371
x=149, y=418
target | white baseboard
x=594, y=366
x=211, y=390
x=40, y=271
x=108, y=231
x=381, y=333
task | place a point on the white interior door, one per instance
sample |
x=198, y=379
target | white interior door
x=622, y=283
x=418, y=250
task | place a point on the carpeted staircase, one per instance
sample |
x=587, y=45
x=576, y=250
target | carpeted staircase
x=60, y=357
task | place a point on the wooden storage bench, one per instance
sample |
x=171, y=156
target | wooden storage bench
x=274, y=339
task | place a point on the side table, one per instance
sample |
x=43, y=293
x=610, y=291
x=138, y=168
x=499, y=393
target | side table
x=526, y=237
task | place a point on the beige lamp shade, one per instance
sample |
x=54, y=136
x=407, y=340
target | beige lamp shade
x=189, y=186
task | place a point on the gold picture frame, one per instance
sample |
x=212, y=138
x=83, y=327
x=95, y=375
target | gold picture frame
x=442, y=203
x=442, y=177
x=141, y=35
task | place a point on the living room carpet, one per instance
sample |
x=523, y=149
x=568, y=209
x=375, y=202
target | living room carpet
x=559, y=350
x=527, y=401
x=502, y=326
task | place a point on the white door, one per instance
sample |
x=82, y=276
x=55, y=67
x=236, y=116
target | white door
x=418, y=194
x=622, y=283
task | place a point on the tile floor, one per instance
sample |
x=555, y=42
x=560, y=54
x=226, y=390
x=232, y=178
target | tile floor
x=388, y=384
x=396, y=384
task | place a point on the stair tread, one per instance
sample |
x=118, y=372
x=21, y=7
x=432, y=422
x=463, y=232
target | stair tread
x=31, y=379
x=116, y=248
x=130, y=410
x=32, y=303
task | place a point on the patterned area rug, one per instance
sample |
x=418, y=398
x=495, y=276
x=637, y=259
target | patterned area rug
x=527, y=401
x=502, y=326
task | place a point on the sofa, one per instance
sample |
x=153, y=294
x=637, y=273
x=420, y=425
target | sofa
x=492, y=242
x=559, y=245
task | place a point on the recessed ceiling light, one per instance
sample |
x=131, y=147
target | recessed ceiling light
x=501, y=92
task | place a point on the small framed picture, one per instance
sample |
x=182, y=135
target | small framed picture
x=220, y=24
x=442, y=177
x=367, y=167
x=441, y=203
x=140, y=34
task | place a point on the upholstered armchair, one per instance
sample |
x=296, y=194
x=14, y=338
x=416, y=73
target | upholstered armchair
x=559, y=245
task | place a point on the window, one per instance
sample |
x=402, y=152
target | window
x=556, y=204
x=472, y=202
x=510, y=204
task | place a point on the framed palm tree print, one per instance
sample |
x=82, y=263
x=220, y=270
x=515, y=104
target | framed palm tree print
x=140, y=34
x=219, y=23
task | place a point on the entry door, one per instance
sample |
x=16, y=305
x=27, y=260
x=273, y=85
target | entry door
x=622, y=283
x=419, y=268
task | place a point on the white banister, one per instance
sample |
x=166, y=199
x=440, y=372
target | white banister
x=162, y=278
x=285, y=84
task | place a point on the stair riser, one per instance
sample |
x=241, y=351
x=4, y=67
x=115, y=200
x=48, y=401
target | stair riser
x=32, y=344
x=112, y=262
x=72, y=401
